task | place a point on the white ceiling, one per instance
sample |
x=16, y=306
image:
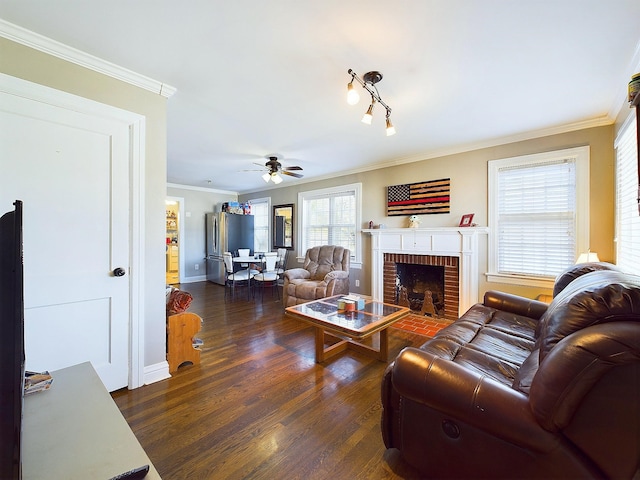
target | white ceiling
x=257, y=77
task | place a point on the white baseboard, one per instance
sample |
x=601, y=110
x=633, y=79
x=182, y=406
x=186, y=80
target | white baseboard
x=157, y=372
x=199, y=278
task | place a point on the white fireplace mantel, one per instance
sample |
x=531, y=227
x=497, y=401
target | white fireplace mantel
x=459, y=242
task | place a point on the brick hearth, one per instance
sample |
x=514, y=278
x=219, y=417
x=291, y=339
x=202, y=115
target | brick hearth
x=422, y=325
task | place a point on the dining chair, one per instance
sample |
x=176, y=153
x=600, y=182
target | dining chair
x=245, y=252
x=282, y=264
x=268, y=276
x=231, y=278
x=282, y=260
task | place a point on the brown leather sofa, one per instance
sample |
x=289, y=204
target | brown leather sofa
x=325, y=272
x=516, y=388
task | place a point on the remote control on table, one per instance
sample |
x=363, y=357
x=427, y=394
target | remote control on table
x=134, y=474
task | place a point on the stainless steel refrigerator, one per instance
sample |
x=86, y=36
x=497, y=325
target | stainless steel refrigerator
x=226, y=232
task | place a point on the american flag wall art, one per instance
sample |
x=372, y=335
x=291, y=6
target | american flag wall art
x=419, y=198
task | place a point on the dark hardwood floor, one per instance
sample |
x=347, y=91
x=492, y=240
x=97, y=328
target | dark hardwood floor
x=259, y=407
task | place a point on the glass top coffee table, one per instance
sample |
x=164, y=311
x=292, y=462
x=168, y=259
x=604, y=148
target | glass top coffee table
x=345, y=328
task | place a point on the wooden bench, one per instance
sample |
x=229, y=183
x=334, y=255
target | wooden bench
x=181, y=329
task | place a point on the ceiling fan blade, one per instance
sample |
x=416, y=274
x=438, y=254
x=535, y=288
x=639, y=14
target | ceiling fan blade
x=291, y=174
x=293, y=168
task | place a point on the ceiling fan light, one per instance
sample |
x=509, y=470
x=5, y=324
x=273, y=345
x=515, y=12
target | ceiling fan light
x=352, y=95
x=276, y=178
x=266, y=177
x=391, y=130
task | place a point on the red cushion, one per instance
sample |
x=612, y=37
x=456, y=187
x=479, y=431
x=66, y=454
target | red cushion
x=178, y=302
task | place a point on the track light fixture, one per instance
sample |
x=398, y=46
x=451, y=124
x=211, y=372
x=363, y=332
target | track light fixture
x=368, y=82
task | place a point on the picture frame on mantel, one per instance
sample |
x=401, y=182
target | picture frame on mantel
x=466, y=220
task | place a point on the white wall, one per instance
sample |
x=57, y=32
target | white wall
x=468, y=174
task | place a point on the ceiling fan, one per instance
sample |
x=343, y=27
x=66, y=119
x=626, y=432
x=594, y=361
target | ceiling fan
x=274, y=169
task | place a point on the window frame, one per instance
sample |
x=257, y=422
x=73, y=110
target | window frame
x=581, y=155
x=626, y=254
x=356, y=188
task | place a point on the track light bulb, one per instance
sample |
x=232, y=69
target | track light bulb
x=367, y=117
x=352, y=95
x=391, y=130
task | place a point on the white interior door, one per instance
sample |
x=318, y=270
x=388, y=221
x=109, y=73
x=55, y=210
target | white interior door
x=72, y=171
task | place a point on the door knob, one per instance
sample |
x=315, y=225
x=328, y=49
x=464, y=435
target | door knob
x=119, y=272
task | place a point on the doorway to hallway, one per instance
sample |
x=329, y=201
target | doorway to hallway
x=174, y=239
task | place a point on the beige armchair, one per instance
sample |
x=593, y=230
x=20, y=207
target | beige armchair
x=325, y=272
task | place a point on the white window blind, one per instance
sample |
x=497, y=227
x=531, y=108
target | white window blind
x=536, y=222
x=330, y=217
x=627, y=218
x=538, y=214
x=260, y=212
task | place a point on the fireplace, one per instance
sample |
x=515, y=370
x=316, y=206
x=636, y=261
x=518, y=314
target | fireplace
x=428, y=284
x=455, y=249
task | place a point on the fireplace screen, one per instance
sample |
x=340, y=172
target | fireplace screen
x=421, y=288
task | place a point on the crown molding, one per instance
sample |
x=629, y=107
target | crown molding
x=458, y=149
x=49, y=46
x=201, y=189
x=499, y=141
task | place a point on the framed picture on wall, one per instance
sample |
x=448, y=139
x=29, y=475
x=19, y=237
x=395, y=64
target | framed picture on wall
x=283, y=226
x=466, y=220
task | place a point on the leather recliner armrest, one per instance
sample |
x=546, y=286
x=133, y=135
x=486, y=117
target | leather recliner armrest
x=508, y=302
x=469, y=397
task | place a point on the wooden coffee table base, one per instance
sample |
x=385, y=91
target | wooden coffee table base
x=346, y=329
x=343, y=343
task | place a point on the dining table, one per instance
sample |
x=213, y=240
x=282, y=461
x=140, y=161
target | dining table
x=249, y=259
x=246, y=262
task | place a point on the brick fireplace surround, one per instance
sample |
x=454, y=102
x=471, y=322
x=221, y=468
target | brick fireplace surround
x=455, y=248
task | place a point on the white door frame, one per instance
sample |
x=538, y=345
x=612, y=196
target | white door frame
x=137, y=129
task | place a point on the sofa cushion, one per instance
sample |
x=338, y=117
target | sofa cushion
x=598, y=297
x=484, y=363
x=486, y=340
x=576, y=271
x=526, y=373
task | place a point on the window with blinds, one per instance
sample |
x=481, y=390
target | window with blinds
x=627, y=218
x=330, y=217
x=538, y=214
x=260, y=211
